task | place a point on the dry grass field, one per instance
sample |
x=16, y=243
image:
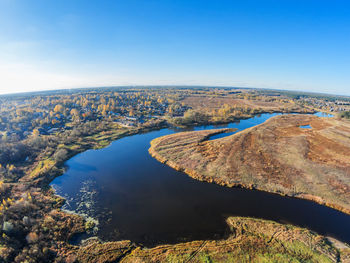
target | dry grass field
x=203, y=102
x=277, y=156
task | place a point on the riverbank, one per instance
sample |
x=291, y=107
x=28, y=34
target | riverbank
x=257, y=158
x=41, y=169
x=249, y=240
x=34, y=223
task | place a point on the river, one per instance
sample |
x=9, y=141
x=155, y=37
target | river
x=135, y=197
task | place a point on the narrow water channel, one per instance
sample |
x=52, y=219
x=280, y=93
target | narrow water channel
x=135, y=197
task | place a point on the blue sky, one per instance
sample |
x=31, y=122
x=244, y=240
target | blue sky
x=285, y=44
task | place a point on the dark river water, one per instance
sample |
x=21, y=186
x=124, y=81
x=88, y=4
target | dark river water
x=135, y=197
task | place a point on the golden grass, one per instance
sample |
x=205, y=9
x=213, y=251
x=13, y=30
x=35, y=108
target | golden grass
x=277, y=156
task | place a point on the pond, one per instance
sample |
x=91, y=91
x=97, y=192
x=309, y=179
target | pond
x=135, y=197
x=305, y=126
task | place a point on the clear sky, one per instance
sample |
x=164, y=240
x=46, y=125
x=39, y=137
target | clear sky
x=285, y=44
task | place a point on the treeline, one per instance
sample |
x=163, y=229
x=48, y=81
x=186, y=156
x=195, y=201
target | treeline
x=227, y=113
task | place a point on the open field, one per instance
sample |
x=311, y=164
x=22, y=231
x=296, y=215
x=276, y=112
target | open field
x=277, y=156
x=225, y=107
x=200, y=102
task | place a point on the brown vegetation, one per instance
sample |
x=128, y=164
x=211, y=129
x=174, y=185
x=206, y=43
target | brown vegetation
x=277, y=156
x=251, y=240
x=38, y=132
x=226, y=107
x=245, y=100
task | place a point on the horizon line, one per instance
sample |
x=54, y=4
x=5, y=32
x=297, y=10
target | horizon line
x=19, y=93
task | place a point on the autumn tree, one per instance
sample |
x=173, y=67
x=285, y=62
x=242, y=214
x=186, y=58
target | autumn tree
x=75, y=114
x=58, y=108
x=36, y=132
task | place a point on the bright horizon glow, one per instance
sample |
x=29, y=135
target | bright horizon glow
x=292, y=45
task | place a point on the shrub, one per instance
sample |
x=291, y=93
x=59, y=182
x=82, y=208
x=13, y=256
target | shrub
x=32, y=237
x=60, y=155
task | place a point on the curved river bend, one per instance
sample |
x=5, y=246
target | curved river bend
x=135, y=197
